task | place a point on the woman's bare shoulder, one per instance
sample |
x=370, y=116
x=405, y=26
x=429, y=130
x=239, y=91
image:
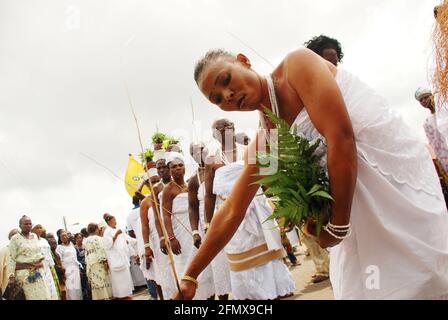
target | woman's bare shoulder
x=299, y=56
x=304, y=59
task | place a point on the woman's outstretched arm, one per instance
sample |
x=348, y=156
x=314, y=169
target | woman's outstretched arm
x=224, y=224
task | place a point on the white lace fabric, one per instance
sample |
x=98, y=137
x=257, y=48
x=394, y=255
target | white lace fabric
x=382, y=137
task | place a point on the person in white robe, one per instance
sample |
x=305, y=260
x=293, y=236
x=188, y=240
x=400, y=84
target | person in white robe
x=118, y=259
x=135, y=242
x=67, y=253
x=48, y=262
x=138, y=279
x=176, y=219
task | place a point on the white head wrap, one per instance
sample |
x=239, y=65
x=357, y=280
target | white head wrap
x=421, y=91
x=171, y=156
x=159, y=155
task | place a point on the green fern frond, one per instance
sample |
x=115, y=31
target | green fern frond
x=300, y=183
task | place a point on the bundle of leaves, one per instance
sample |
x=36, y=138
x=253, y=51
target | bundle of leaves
x=300, y=185
x=147, y=155
x=170, y=141
x=159, y=137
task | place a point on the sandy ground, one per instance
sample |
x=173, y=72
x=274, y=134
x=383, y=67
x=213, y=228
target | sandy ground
x=305, y=289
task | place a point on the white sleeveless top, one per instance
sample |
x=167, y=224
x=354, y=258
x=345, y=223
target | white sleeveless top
x=399, y=218
x=382, y=137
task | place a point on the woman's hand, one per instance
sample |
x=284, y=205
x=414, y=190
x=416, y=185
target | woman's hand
x=188, y=290
x=310, y=229
x=324, y=239
x=149, y=254
x=117, y=234
x=197, y=240
x=175, y=246
x=163, y=247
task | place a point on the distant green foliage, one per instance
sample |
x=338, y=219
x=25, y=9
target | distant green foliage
x=169, y=141
x=300, y=184
x=159, y=137
x=147, y=154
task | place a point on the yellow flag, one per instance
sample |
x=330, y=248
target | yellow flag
x=134, y=177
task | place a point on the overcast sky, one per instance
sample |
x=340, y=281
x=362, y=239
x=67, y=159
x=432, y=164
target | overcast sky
x=63, y=64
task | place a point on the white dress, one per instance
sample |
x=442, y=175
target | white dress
x=163, y=269
x=398, y=248
x=267, y=281
x=138, y=278
x=158, y=269
x=137, y=247
x=118, y=260
x=134, y=223
x=182, y=231
x=48, y=264
x=72, y=275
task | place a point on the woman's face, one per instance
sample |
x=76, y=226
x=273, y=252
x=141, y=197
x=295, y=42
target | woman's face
x=162, y=169
x=112, y=223
x=26, y=225
x=78, y=240
x=38, y=230
x=64, y=237
x=177, y=169
x=53, y=243
x=231, y=85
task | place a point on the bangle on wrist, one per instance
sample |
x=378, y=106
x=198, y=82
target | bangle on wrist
x=172, y=237
x=190, y=279
x=147, y=245
x=162, y=238
x=195, y=232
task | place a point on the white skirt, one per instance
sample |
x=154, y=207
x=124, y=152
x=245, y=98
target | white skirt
x=121, y=283
x=399, y=244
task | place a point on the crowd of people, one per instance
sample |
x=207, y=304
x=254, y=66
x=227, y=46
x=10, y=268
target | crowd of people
x=104, y=262
x=167, y=232
x=93, y=264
